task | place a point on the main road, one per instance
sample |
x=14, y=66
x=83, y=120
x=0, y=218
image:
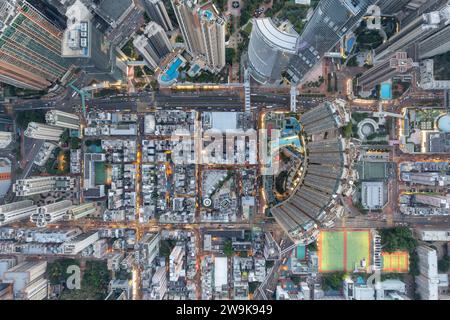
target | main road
x=219, y=100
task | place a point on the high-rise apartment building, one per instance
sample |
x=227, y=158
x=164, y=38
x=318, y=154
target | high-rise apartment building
x=436, y=44
x=15, y=211
x=330, y=21
x=428, y=280
x=62, y=119
x=28, y=280
x=43, y=131
x=159, y=284
x=417, y=31
x=176, y=263
x=50, y=213
x=150, y=243
x=30, y=47
x=34, y=185
x=203, y=31
x=153, y=45
x=270, y=50
x=213, y=35
x=398, y=65
x=157, y=12
x=80, y=211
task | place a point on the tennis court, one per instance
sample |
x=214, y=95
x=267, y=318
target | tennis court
x=397, y=262
x=343, y=250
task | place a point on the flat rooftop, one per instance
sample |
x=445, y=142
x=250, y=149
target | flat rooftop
x=114, y=8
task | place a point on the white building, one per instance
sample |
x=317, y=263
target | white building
x=44, y=153
x=176, y=263
x=270, y=50
x=43, y=132
x=427, y=80
x=220, y=274
x=34, y=185
x=50, y=213
x=5, y=139
x=5, y=176
x=113, y=260
x=203, y=31
x=434, y=235
x=28, y=280
x=159, y=284
x=373, y=195
x=16, y=211
x=153, y=45
x=5, y=265
x=428, y=280
x=100, y=248
x=157, y=12
x=80, y=211
x=150, y=243
x=79, y=243
x=62, y=119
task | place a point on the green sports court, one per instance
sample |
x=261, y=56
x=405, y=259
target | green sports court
x=343, y=250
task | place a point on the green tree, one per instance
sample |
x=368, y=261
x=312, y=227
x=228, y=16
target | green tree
x=332, y=281
x=444, y=264
x=348, y=130
x=57, y=271
x=228, y=248
x=75, y=143
x=25, y=117
x=230, y=54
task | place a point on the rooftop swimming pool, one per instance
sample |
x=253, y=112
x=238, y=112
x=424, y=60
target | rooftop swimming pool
x=386, y=91
x=208, y=14
x=172, y=73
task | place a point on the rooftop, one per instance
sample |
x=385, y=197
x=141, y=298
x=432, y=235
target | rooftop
x=275, y=36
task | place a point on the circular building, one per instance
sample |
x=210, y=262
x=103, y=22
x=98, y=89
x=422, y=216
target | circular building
x=444, y=123
x=367, y=127
x=269, y=51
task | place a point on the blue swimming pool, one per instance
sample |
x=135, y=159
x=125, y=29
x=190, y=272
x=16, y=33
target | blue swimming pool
x=172, y=72
x=208, y=14
x=386, y=91
x=350, y=43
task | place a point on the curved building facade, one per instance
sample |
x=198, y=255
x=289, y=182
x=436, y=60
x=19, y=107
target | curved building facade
x=313, y=204
x=269, y=51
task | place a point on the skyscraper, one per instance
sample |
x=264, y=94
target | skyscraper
x=43, y=132
x=153, y=45
x=16, y=211
x=203, y=31
x=62, y=119
x=330, y=22
x=417, y=31
x=213, y=35
x=189, y=24
x=30, y=47
x=436, y=44
x=397, y=65
x=158, y=13
x=269, y=50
